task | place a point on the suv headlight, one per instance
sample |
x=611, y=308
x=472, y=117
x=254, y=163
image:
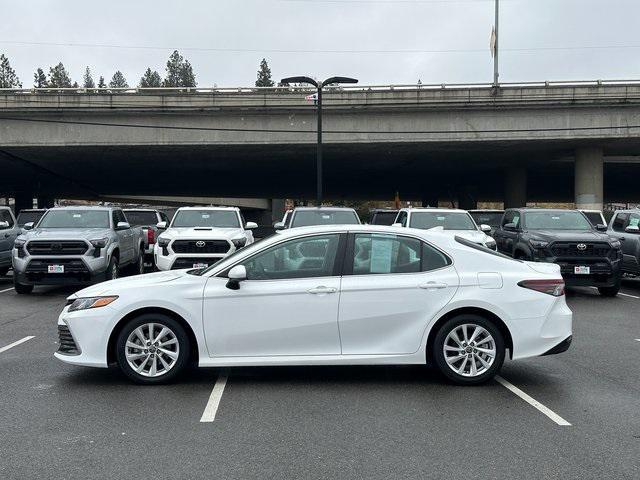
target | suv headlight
x=99, y=242
x=91, y=302
x=538, y=243
x=239, y=242
x=19, y=243
x=163, y=242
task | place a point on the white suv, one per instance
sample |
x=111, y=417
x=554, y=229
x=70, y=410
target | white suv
x=453, y=221
x=200, y=236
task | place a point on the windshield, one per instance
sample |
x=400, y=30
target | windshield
x=141, y=218
x=384, y=218
x=488, y=218
x=75, y=219
x=27, y=217
x=448, y=220
x=556, y=220
x=206, y=218
x=305, y=218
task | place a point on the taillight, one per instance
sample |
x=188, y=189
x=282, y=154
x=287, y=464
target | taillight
x=550, y=287
x=151, y=236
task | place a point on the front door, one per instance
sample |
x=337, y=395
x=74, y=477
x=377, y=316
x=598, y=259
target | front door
x=288, y=305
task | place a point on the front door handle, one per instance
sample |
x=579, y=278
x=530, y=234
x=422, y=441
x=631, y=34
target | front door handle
x=322, y=290
x=433, y=285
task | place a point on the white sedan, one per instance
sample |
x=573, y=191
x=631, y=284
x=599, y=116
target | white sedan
x=325, y=295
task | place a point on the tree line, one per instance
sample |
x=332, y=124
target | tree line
x=178, y=73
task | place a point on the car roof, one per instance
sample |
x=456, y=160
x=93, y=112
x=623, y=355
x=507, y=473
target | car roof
x=434, y=209
x=139, y=210
x=628, y=210
x=326, y=209
x=486, y=210
x=85, y=207
x=209, y=207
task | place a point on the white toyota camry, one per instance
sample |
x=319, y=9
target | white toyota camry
x=325, y=295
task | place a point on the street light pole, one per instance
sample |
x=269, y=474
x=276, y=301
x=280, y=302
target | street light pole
x=319, y=86
x=495, y=48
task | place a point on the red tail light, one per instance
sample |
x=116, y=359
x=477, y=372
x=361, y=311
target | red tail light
x=151, y=236
x=550, y=287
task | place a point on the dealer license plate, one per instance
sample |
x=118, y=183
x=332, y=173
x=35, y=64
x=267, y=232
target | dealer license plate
x=580, y=270
x=200, y=265
x=55, y=268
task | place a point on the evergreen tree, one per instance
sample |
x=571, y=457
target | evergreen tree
x=87, y=80
x=58, y=77
x=264, y=75
x=101, y=83
x=75, y=85
x=151, y=78
x=118, y=81
x=179, y=72
x=8, y=77
x=40, y=79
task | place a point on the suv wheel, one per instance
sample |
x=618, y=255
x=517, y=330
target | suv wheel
x=20, y=288
x=469, y=350
x=609, y=291
x=152, y=348
x=113, y=270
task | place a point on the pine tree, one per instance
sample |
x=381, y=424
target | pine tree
x=118, y=81
x=40, y=79
x=264, y=75
x=58, y=77
x=8, y=77
x=179, y=72
x=101, y=83
x=87, y=81
x=151, y=78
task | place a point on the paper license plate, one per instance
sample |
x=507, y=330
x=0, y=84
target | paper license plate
x=55, y=268
x=581, y=270
x=200, y=265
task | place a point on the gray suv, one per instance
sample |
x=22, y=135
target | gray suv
x=9, y=230
x=76, y=245
x=625, y=226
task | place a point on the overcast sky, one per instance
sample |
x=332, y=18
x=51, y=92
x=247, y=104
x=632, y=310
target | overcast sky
x=257, y=28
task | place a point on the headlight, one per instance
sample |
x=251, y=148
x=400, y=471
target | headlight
x=99, y=242
x=19, y=243
x=490, y=244
x=90, y=302
x=239, y=242
x=163, y=242
x=614, y=244
x=538, y=243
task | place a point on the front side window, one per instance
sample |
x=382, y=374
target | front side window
x=447, y=220
x=594, y=217
x=634, y=220
x=619, y=221
x=305, y=218
x=402, y=219
x=375, y=253
x=29, y=217
x=206, y=219
x=557, y=220
x=5, y=216
x=305, y=257
x=75, y=219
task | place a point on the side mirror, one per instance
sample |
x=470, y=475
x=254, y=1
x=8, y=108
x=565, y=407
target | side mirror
x=161, y=225
x=632, y=229
x=510, y=227
x=28, y=226
x=485, y=228
x=278, y=225
x=236, y=275
x=397, y=224
x=601, y=227
x=122, y=226
x=4, y=225
x=250, y=225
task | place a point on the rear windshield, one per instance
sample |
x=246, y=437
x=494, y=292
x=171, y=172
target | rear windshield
x=488, y=218
x=447, y=220
x=383, y=218
x=557, y=220
x=75, y=219
x=305, y=218
x=482, y=248
x=28, y=217
x=141, y=218
x=206, y=218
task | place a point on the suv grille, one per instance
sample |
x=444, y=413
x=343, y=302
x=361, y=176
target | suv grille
x=200, y=246
x=65, y=247
x=67, y=345
x=571, y=250
x=71, y=265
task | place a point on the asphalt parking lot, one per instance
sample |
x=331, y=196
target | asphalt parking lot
x=574, y=415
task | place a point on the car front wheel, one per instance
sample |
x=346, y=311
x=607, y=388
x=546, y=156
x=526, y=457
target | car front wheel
x=152, y=348
x=609, y=291
x=468, y=349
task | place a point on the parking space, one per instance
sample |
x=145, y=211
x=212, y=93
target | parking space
x=322, y=422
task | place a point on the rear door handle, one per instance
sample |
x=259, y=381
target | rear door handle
x=322, y=290
x=433, y=285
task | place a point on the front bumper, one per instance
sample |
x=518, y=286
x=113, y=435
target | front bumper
x=604, y=272
x=175, y=261
x=79, y=270
x=5, y=259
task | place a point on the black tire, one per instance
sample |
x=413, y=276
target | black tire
x=4, y=271
x=113, y=270
x=160, y=320
x=20, y=288
x=609, y=291
x=438, y=355
x=137, y=267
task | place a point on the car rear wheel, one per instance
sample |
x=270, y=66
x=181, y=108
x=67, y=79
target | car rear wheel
x=20, y=288
x=609, y=291
x=152, y=349
x=469, y=349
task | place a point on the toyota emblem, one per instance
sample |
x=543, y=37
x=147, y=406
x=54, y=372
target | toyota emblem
x=582, y=247
x=200, y=243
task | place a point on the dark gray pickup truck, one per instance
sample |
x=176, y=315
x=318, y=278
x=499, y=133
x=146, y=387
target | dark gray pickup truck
x=625, y=226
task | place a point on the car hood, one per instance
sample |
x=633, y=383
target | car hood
x=66, y=233
x=568, y=236
x=203, y=233
x=112, y=287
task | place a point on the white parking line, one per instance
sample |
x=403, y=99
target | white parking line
x=637, y=339
x=6, y=290
x=209, y=414
x=533, y=402
x=627, y=295
x=15, y=344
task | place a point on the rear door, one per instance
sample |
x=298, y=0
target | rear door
x=630, y=241
x=506, y=239
x=392, y=287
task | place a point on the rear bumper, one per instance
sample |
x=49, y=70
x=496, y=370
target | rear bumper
x=563, y=346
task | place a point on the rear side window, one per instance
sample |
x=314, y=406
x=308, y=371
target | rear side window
x=141, y=218
x=5, y=216
x=619, y=221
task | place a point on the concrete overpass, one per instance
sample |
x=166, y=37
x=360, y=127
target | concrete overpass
x=568, y=141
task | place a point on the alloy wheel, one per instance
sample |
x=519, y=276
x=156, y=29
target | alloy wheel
x=469, y=350
x=152, y=350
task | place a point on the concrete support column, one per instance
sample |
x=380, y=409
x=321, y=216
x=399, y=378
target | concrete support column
x=515, y=187
x=467, y=199
x=45, y=202
x=589, y=178
x=429, y=199
x=23, y=200
x=277, y=209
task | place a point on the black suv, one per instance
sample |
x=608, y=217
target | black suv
x=587, y=256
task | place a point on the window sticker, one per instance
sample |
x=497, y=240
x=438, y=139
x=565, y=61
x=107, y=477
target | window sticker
x=77, y=215
x=206, y=215
x=634, y=222
x=381, y=250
